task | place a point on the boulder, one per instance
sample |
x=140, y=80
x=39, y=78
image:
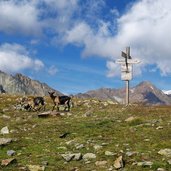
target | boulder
x=4, y=141
x=109, y=153
x=6, y=162
x=89, y=156
x=145, y=163
x=36, y=168
x=165, y=152
x=75, y=156
x=101, y=163
x=130, y=119
x=119, y=163
x=5, y=130
x=11, y=152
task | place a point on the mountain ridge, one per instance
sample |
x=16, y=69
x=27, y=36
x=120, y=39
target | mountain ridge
x=145, y=92
x=22, y=85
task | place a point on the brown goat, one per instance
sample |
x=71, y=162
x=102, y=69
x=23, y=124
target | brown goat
x=60, y=100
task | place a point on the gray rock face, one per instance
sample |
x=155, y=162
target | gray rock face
x=22, y=85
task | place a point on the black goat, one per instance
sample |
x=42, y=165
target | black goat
x=35, y=103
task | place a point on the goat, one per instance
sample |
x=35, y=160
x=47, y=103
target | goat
x=32, y=103
x=60, y=100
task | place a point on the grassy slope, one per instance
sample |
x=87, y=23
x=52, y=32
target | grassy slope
x=38, y=138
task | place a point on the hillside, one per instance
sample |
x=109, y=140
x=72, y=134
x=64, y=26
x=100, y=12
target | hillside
x=145, y=93
x=94, y=135
x=23, y=85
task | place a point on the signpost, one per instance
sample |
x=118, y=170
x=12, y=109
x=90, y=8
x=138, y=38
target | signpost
x=127, y=70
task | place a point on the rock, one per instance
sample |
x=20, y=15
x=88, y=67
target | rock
x=146, y=140
x=36, y=168
x=68, y=157
x=6, y=162
x=44, y=114
x=119, y=163
x=74, y=156
x=111, y=168
x=62, y=148
x=4, y=141
x=98, y=147
x=45, y=163
x=130, y=119
x=88, y=113
x=100, y=163
x=79, y=146
x=129, y=153
x=69, y=114
x=165, y=152
x=75, y=169
x=109, y=153
x=64, y=135
x=89, y=156
x=6, y=117
x=5, y=130
x=145, y=163
x=62, y=114
x=11, y=152
x=71, y=142
x=105, y=104
x=169, y=161
x=159, y=127
x=161, y=169
x=111, y=102
x=77, y=157
x=105, y=144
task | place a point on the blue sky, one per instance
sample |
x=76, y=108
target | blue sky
x=72, y=45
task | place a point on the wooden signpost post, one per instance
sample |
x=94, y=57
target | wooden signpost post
x=127, y=70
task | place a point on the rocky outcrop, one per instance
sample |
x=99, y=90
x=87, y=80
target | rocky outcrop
x=23, y=85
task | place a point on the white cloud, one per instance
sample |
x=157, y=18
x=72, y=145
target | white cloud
x=32, y=17
x=145, y=27
x=14, y=58
x=52, y=70
x=19, y=17
x=113, y=69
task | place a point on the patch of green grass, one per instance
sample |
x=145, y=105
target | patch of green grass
x=38, y=139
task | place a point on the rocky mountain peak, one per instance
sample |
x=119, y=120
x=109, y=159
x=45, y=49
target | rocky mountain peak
x=23, y=85
x=146, y=85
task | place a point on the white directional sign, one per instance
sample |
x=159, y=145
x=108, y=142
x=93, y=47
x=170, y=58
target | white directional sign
x=126, y=72
x=127, y=68
x=129, y=61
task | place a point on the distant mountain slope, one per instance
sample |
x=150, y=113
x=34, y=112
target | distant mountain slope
x=23, y=85
x=145, y=93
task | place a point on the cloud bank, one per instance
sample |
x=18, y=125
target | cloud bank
x=15, y=58
x=145, y=27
